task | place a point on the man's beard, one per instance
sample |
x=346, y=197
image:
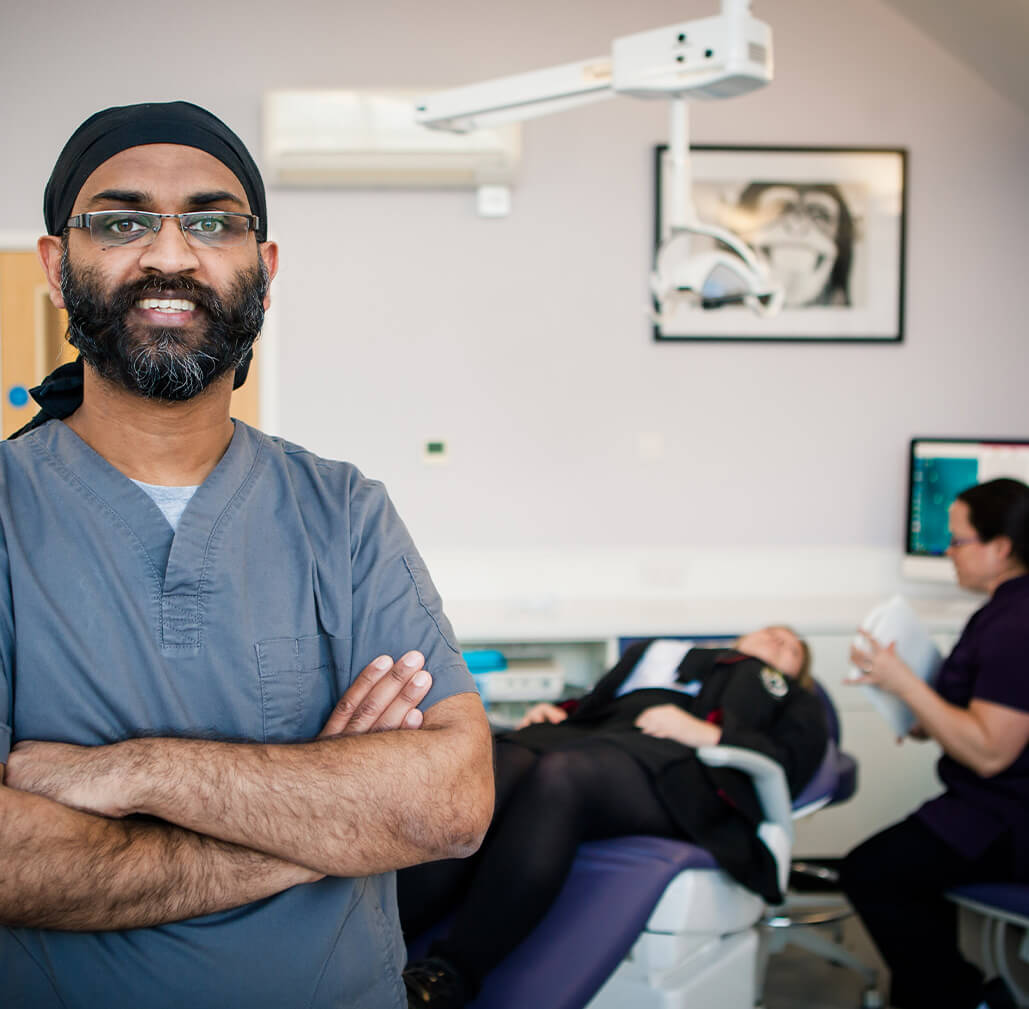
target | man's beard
x=157, y=362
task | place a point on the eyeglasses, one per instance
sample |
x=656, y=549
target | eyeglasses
x=960, y=541
x=202, y=228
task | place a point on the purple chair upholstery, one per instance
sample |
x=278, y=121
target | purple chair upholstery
x=1008, y=899
x=1005, y=908
x=599, y=914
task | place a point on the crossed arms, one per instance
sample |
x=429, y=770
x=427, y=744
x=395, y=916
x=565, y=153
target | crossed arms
x=239, y=822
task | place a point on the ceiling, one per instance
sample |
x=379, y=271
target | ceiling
x=989, y=36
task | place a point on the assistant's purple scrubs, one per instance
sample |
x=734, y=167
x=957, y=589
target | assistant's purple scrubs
x=990, y=662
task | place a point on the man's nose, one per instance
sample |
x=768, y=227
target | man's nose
x=169, y=252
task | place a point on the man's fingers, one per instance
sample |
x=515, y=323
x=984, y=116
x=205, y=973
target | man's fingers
x=392, y=696
x=411, y=694
x=354, y=696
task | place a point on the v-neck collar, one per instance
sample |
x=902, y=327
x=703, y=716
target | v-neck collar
x=177, y=559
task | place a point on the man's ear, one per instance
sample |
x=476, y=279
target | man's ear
x=269, y=252
x=50, y=250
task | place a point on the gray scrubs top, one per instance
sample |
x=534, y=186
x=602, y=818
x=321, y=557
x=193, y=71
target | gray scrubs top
x=286, y=576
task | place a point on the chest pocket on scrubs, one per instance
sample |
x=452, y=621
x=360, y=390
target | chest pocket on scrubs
x=300, y=681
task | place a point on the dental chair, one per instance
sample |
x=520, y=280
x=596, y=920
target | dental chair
x=654, y=923
x=1005, y=933
x=801, y=919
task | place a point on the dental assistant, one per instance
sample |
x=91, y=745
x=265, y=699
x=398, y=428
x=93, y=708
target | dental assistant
x=978, y=829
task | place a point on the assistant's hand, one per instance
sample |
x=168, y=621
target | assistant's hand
x=90, y=778
x=384, y=696
x=542, y=713
x=881, y=665
x=666, y=721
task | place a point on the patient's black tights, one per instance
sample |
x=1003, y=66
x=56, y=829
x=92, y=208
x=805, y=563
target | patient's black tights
x=546, y=805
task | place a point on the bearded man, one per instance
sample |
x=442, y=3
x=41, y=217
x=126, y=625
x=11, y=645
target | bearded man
x=198, y=626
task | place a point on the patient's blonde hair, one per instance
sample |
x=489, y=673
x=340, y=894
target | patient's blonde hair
x=804, y=677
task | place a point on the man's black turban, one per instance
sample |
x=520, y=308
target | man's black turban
x=101, y=137
x=114, y=130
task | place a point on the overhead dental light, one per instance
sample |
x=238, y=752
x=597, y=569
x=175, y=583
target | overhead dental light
x=721, y=56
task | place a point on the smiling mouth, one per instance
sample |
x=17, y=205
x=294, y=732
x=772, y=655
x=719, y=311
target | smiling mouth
x=168, y=305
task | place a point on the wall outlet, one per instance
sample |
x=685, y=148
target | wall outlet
x=435, y=452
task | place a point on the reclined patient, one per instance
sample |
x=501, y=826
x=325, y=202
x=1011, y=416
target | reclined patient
x=621, y=761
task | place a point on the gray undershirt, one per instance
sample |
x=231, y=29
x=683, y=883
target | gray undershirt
x=171, y=500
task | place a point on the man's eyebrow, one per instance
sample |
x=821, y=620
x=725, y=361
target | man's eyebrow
x=126, y=197
x=215, y=196
x=136, y=198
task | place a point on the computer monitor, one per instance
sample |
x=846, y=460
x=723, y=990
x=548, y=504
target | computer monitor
x=938, y=470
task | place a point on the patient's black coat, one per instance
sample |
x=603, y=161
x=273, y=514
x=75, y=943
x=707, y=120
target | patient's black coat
x=715, y=807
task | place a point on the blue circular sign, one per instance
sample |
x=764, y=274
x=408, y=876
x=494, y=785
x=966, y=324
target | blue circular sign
x=18, y=395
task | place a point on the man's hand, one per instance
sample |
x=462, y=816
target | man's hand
x=667, y=721
x=384, y=696
x=542, y=713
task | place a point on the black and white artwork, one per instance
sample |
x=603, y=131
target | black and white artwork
x=827, y=222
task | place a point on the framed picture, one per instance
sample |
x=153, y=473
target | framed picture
x=828, y=222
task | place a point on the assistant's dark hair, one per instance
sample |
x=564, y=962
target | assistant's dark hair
x=1001, y=508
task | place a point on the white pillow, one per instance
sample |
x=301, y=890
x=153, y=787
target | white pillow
x=896, y=621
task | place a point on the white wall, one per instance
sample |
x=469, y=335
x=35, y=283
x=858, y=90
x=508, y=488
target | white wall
x=523, y=342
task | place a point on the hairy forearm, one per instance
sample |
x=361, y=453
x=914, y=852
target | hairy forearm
x=345, y=806
x=63, y=869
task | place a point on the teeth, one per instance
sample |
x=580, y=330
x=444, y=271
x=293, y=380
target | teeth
x=166, y=304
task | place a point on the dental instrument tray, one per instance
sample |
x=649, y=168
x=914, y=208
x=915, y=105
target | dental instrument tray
x=522, y=680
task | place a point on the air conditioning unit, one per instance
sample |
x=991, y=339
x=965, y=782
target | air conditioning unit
x=370, y=138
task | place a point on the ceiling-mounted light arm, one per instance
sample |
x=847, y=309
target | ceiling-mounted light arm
x=680, y=272
x=681, y=212
x=714, y=57
x=516, y=98
x=708, y=58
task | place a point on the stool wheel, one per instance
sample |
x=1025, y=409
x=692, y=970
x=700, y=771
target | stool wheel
x=871, y=999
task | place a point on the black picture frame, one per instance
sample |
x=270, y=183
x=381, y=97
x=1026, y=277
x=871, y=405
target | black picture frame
x=795, y=205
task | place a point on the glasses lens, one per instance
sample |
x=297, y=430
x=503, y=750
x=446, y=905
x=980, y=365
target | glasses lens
x=119, y=227
x=217, y=229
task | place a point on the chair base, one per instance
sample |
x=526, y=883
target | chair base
x=712, y=972
x=1002, y=913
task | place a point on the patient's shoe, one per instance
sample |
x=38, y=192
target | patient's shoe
x=433, y=983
